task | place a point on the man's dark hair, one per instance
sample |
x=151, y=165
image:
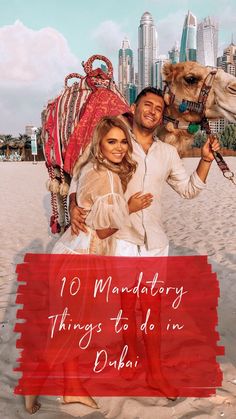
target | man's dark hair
x=148, y=89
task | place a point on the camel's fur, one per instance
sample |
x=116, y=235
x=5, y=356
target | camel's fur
x=221, y=102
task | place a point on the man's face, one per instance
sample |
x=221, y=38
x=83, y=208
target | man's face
x=148, y=112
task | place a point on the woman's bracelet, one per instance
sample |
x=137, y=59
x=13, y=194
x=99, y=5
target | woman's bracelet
x=207, y=161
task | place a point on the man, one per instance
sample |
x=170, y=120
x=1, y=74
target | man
x=158, y=162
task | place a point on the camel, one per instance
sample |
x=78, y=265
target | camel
x=184, y=81
x=69, y=119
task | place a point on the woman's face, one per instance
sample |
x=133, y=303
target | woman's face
x=114, y=145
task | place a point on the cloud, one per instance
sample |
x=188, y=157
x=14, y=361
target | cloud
x=169, y=30
x=33, y=65
x=108, y=37
x=227, y=20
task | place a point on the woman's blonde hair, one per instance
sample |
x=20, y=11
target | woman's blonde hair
x=127, y=166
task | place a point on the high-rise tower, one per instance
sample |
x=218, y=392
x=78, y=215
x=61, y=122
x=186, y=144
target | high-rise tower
x=228, y=60
x=228, y=63
x=188, y=45
x=126, y=66
x=174, y=54
x=161, y=60
x=207, y=42
x=147, y=51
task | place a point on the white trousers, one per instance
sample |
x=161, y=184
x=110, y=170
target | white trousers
x=125, y=248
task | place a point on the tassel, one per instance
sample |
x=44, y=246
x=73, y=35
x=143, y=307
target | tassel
x=64, y=189
x=170, y=127
x=183, y=107
x=193, y=128
x=53, y=185
x=47, y=184
x=55, y=226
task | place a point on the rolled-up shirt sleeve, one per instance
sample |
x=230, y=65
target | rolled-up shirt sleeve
x=187, y=186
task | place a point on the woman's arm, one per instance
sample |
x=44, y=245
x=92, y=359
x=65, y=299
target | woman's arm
x=107, y=213
x=106, y=232
x=136, y=203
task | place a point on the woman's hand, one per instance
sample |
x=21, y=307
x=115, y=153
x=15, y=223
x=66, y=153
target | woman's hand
x=138, y=201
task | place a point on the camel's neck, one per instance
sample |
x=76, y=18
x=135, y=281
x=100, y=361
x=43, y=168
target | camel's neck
x=177, y=130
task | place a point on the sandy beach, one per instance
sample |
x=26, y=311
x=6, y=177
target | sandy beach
x=203, y=226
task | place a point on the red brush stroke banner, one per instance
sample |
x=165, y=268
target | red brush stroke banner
x=115, y=326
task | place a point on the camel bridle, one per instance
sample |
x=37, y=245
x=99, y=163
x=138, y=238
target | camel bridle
x=189, y=105
x=198, y=107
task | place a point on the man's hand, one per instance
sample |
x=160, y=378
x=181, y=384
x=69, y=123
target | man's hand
x=212, y=144
x=77, y=216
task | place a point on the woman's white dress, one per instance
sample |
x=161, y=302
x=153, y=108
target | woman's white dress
x=100, y=193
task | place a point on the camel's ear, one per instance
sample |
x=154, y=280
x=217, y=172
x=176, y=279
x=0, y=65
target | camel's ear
x=132, y=108
x=167, y=71
x=167, y=99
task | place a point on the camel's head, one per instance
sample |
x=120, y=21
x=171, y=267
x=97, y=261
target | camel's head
x=185, y=81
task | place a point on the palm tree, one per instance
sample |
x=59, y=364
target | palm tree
x=8, y=138
x=228, y=137
x=38, y=135
x=23, y=138
x=199, y=139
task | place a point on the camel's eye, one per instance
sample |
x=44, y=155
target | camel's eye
x=191, y=79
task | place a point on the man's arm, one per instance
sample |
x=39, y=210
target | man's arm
x=190, y=186
x=77, y=215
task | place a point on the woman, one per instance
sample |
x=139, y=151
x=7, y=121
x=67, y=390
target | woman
x=102, y=180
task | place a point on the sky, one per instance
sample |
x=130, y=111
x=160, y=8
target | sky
x=41, y=41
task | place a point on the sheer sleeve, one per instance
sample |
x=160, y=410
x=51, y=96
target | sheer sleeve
x=102, y=192
x=110, y=211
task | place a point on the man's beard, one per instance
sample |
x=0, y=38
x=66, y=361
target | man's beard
x=150, y=130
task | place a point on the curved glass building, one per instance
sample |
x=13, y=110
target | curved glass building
x=188, y=46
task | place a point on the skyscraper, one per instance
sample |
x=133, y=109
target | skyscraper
x=228, y=59
x=131, y=93
x=174, y=54
x=147, y=51
x=228, y=63
x=188, y=46
x=126, y=66
x=207, y=42
x=162, y=59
